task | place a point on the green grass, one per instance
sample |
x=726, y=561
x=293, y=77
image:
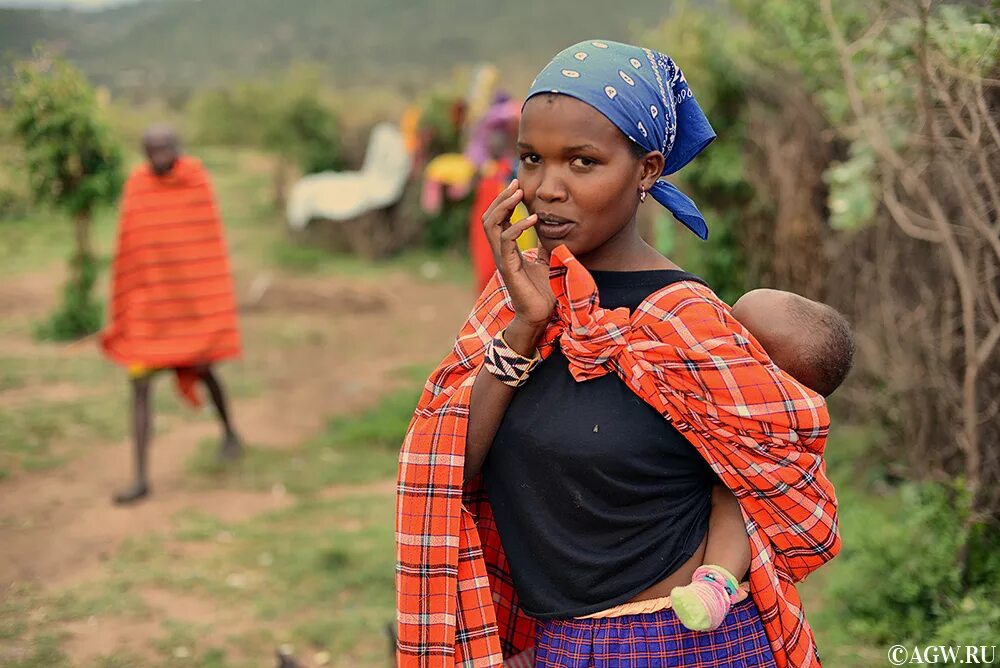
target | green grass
x=29, y=434
x=23, y=642
x=11, y=379
x=21, y=371
x=113, y=598
x=318, y=575
x=350, y=450
x=181, y=642
x=327, y=564
x=39, y=435
x=42, y=652
x=119, y=660
x=45, y=237
x=428, y=265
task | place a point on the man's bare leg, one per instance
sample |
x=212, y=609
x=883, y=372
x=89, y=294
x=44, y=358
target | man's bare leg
x=231, y=447
x=141, y=423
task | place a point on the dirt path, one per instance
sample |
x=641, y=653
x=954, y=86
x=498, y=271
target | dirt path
x=317, y=347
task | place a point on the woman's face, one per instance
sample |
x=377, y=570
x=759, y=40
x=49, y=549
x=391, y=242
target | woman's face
x=579, y=174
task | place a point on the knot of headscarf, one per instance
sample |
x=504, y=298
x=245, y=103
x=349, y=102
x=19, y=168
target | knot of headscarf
x=592, y=337
x=646, y=96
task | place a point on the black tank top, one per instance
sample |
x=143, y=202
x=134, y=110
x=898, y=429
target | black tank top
x=596, y=496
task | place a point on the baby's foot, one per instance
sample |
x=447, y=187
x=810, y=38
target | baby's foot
x=704, y=604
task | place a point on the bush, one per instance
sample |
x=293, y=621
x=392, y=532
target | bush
x=449, y=228
x=899, y=577
x=79, y=313
x=74, y=164
x=15, y=196
x=15, y=200
x=307, y=132
x=717, y=180
x=235, y=115
x=286, y=115
x=438, y=123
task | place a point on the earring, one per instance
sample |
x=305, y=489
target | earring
x=642, y=195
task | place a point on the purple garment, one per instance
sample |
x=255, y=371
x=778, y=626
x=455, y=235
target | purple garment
x=496, y=117
x=654, y=640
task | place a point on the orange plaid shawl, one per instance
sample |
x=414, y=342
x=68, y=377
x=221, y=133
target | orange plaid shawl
x=683, y=353
x=172, y=302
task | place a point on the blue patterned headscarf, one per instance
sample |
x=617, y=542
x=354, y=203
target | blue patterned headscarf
x=645, y=95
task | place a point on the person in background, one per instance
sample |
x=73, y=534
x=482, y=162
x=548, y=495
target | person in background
x=493, y=148
x=172, y=303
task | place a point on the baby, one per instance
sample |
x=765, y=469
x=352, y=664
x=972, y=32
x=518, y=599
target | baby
x=812, y=343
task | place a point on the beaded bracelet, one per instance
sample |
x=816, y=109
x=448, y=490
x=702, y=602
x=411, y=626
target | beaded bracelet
x=509, y=366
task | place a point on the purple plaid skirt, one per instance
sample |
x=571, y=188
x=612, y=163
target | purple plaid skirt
x=653, y=640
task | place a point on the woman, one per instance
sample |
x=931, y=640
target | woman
x=591, y=506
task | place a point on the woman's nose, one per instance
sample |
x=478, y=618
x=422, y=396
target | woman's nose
x=551, y=188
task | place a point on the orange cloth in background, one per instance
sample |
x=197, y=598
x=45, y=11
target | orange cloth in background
x=172, y=302
x=496, y=175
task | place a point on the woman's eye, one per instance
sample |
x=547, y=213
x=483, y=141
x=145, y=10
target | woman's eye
x=583, y=162
x=530, y=159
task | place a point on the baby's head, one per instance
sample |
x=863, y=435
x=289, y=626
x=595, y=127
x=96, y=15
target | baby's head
x=810, y=341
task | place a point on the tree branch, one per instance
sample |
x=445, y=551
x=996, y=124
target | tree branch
x=905, y=218
x=987, y=345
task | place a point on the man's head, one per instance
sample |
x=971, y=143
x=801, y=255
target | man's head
x=810, y=341
x=162, y=148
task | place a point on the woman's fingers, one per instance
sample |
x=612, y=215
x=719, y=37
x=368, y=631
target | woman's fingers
x=543, y=255
x=498, y=219
x=511, y=188
x=510, y=253
x=517, y=229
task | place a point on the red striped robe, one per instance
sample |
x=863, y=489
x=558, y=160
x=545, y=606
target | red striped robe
x=172, y=302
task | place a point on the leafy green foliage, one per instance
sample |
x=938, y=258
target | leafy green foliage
x=898, y=578
x=437, y=122
x=449, y=228
x=852, y=199
x=233, y=115
x=72, y=159
x=73, y=164
x=308, y=132
x=287, y=115
x=717, y=180
x=80, y=313
x=15, y=197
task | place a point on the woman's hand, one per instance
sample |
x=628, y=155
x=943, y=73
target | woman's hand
x=527, y=280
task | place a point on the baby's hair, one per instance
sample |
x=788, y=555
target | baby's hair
x=829, y=355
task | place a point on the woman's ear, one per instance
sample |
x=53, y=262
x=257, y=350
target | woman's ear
x=652, y=168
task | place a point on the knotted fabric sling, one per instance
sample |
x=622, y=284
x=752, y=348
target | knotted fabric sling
x=683, y=353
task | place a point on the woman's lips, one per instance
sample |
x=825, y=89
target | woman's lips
x=553, y=227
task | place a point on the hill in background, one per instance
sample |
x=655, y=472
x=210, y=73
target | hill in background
x=178, y=45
